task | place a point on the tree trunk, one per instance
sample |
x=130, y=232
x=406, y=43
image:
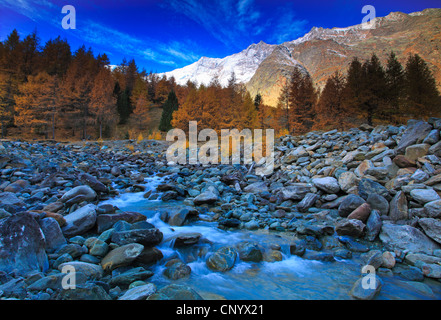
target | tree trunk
x=53, y=126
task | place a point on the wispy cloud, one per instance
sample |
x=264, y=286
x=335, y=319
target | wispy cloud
x=171, y=54
x=288, y=28
x=236, y=23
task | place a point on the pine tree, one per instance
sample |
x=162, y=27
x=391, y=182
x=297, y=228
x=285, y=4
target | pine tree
x=422, y=95
x=394, y=88
x=374, y=88
x=170, y=106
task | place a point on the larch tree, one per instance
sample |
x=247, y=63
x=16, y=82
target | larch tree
x=102, y=100
x=329, y=107
x=37, y=104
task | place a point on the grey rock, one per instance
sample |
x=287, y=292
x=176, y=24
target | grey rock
x=398, y=209
x=327, y=184
x=433, y=209
x=424, y=196
x=432, y=228
x=415, y=132
x=80, y=221
x=52, y=233
x=373, y=225
x=405, y=237
x=379, y=203
x=223, y=259
x=22, y=245
x=139, y=293
x=87, y=193
x=349, y=204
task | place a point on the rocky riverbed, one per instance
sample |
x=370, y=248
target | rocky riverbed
x=134, y=227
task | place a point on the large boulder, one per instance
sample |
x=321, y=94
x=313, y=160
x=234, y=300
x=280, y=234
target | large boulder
x=80, y=221
x=405, y=237
x=22, y=245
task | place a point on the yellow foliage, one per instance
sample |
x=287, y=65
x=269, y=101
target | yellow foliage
x=140, y=138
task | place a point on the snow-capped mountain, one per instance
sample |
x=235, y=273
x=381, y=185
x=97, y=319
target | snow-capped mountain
x=244, y=64
x=263, y=68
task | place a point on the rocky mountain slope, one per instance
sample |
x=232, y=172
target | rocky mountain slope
x=263, y=68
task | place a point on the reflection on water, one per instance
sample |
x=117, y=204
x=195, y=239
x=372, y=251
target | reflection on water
x=292, y=278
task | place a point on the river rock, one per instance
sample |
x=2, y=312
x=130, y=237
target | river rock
x=121, y=256
x=368, y=186
x=366, y=288
x=92, y=182
x=327, y=184
x=415, y=132
x=405, y=237
x=249, y=251
x=10, y=199
x=349, y=204
x=398, y=209
x=361, y=213
x=124, y=279
x=308, y=201
x=373, y=225
x=176, y=269
x=223, y=259
x=179, y=216
x=146, y=237
x=206, y=197
x=17, y=186
x=350, y=227
x=186, y=239
x=88, y=291
x=139, y=293
x=379, y=203
x=85, y=192
x=433, y=209
x=106, y=221
x=22, y=245
x=416, y=151
x=80, y=221
x=295, y=191
x=90, y=270
x=256, y=187
x=52, y=233
x=424, y=196
x=432, y=228
x=175, y=292
x=347, y=181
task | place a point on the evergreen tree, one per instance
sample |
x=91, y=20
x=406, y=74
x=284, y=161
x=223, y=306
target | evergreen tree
x=373, y=88
x=394, y=88
x=422, y=95
x=170, y=106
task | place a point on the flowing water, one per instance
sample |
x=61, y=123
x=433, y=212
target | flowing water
x=289, y=279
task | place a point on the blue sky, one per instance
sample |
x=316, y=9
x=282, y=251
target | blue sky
x=169, y=34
